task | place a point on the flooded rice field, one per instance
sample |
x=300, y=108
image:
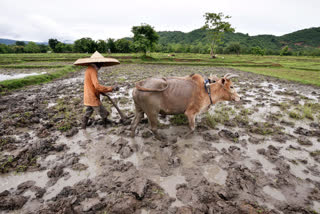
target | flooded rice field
x=17, y=75
x=260, y=155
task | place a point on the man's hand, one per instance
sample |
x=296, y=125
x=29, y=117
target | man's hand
x=115, y=88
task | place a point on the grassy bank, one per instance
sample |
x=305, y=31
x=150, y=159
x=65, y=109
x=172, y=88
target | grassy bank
x=301, y=76
x=303, y=69
x=31, y=66
x=8, y=85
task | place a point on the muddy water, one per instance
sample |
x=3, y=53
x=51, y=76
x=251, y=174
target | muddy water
x=274, y=193
x=261, y=166
x=17, y=76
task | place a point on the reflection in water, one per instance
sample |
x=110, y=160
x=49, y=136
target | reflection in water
x=17, y=76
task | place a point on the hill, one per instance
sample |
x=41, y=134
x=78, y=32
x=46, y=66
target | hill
x=299, y=40
x=12, y=42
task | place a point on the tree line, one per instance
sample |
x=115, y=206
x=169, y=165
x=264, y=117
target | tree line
x=145, y=38
x=124, y=45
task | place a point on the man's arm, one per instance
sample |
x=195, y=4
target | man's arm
x=98, y=87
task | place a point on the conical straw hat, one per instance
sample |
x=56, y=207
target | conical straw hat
x=97, y=58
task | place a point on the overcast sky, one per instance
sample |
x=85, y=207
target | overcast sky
x=39, y=20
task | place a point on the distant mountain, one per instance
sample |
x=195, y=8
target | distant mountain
x=299, y=40
x=11, y=41
x=67, y=42
x=306, y=39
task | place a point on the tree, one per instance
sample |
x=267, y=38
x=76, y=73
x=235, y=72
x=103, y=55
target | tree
x=20, y=43
x=85, y=45
x=60, y=48
x=43, y=48
x=123, y=46
x=53, y=43
x=4, y=48
x=68, y=48
x=234, y=47
x=17, y=48
x=216, y=26
x=285, y=51
x=32, y=47
x=257, y=51
x=101, y=46
x=111, y=45
x=144, y=37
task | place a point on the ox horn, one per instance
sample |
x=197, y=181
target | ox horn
x=229, y=76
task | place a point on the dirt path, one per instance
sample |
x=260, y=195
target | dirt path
x=262, y=155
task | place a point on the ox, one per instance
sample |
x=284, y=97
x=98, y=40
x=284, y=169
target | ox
x=188, y=95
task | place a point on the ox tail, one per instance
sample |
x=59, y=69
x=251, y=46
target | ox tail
x=141, y=88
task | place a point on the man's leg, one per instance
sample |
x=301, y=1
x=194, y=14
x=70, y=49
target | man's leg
x=103, y=111
x=104, y=114
x=89, y=111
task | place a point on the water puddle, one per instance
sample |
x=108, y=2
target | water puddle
x=51, y=105
x=274, y=193
x=316, y=206
x=189, y=157
x=169, y=185
x=17, y=76
x=252, y=154
x=215, y=174
x=75, y=177
x=11, y=180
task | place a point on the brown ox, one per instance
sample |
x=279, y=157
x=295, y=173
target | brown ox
x=177, y=95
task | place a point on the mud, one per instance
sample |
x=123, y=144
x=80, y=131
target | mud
x=258, y=157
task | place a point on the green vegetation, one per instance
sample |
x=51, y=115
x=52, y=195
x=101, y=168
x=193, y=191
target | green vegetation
x=301, y=69
x=295, y=115
x=216, y=26
x=308, y=110
x=31, y=66
x=209, y=120
x=6, y=163
x=65, y=117
x=221, y=115
x=315, y=153
x=303, y=42
x=144, y=37
x=179, y=119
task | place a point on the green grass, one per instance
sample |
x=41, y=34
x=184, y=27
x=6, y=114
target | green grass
x=309, y=110
x=179, y=119
x=31, y=66
x=8, y=85
x=302, y=76
x=315, y=153
x=302, y=69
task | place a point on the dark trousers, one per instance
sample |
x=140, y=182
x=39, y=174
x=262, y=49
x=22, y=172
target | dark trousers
x=99, y=109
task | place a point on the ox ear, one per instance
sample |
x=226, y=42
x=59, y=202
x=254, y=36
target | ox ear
x=223, y=81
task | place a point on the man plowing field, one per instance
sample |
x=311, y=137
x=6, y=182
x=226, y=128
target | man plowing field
x=92, y=88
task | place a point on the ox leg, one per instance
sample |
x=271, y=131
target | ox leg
x=191, y=118
x=153, y=119
x=136, y=120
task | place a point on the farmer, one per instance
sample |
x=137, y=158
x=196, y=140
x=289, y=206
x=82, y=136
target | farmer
x=92, y=88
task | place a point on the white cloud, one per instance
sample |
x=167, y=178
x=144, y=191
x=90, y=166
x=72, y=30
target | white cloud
x=99, y=19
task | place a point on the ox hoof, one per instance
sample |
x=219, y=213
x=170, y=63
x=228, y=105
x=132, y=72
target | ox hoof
x=160, y=137
x=188, y=134
x=132, y=134
x=126, y=121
